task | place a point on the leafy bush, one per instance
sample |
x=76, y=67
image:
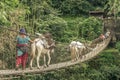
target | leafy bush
x=110, y=72
x=75, y=7
x=118, y=45
x=54, y=25
x=90, y=28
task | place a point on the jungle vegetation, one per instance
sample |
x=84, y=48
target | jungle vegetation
x=68, y=19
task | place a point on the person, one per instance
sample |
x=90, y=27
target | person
x=102, y=37
x=22, y=48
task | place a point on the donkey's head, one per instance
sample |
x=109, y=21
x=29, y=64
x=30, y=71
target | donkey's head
x=52, y=45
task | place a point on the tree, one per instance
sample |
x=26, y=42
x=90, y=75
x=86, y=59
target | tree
x=113, y=8
x=90, y=28
x=73, y=7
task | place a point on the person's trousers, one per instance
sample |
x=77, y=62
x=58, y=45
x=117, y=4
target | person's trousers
x=22, y=60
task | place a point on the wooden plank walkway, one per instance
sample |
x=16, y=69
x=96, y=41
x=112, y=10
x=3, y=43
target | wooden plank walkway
x=88, y=56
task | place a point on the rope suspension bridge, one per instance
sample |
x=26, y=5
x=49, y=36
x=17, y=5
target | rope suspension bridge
x=100, y=46
x=55, y=66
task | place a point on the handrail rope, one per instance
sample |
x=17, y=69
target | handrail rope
x=91, y=54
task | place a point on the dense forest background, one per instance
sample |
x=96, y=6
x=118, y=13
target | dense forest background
x=66, y=20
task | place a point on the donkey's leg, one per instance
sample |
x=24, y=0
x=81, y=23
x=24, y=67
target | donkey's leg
x=31, y=61
x=80, y=53
x=38, y=58
x=45, y=61
x=49, y=58
x=32, y=54
x=73, y=54
x=76, y=53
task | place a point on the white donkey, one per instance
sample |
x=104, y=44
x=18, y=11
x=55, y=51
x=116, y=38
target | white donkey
x=76, y=49
x=42, y=47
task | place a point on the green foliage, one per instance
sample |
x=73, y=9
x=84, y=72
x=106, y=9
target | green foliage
x=54, y=25
x=99, y=3
x=78, y=7
x=90, y=28
x=113, y=8
x=11, y=12
x=118, y=45
x=3, y=12
x=110, y=72
x=71, y=32
x=44, y=18
x=73, y=7
x=40, y=16
x=61, y=52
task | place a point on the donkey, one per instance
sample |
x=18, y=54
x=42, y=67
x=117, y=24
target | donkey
x=76, y=49
x=41, y=46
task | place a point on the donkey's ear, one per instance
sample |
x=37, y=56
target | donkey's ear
x=38, y=34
